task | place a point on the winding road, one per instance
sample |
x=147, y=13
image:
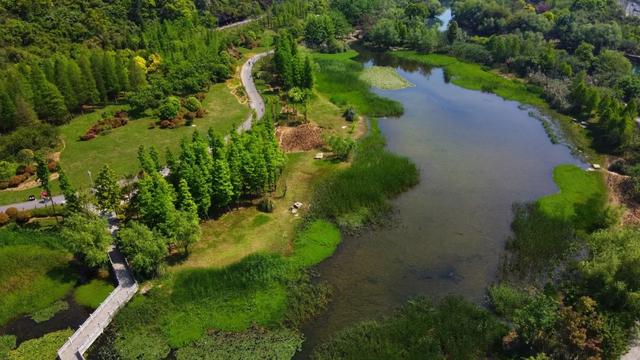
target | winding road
x=255, y=100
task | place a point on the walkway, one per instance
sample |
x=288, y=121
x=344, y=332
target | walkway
x=255, y=100
x=88, y=332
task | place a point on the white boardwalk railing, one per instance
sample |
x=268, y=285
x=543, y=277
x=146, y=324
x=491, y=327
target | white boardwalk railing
x=94, y=326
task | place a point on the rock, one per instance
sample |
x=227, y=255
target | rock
x=297, y=205
x=319, y=156
x=596, y=166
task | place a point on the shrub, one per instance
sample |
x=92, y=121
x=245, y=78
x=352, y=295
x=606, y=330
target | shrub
x=7, y=170
x=201, y=113
x=170, y=108
x=192, y=104
x=165, y=124
x=52, y=165
x=11, y=212
x=23, y=217
x=25, y=156
x=17, y=180
x=349, y=114
x=4, y=219
x=190, y=116
x=266, y=205
x=471, y=52
x=4, y=185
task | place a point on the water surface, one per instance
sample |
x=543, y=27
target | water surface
x=477, y=155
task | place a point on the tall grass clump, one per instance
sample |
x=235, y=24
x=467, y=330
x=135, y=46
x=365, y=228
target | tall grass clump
x=359, y=194
x=338, y=76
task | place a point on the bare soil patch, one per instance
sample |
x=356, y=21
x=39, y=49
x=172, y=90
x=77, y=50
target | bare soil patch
x=300, y=138
x=620, y=194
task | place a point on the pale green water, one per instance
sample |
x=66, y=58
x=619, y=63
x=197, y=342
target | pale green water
x=477, y=154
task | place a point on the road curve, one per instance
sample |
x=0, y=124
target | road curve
x=36, y=204
x=255, y=100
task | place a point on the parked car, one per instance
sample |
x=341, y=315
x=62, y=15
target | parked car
x=32, y=198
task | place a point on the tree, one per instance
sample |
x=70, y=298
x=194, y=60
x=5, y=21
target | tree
x=8, y=120
x=186, y=230
x=154, y=202
x=169, y=108
x=71, y=198
x=88, y=237
x=147, y=162
x=25, y=115
x=137, y=73
x=87, y=91
x=307, y=74
x=107, y=190
x=143, y=248
x=185, y=201
x=453, y=32
x=318, y=30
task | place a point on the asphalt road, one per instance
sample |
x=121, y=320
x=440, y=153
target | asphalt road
x=36, y=204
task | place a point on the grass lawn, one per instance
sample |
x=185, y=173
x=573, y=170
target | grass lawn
x=474, y=77
x=119, y=148
x=338, y=78
x=242, y=232
x=384, y=77
x=35, y=273
x=93, y=293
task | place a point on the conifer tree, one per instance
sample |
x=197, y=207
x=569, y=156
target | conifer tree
x=107, y=190
x=155, y=157
x=25, y=115
x=185, y=201
x=87, y=91
x=146, y=161
x=76, y=82
x=307, y=74
x=97, y=70
x=154, y=202
x=61, y=80
x=122, y=72
x=234, y=159
x=8, y=120
x=71, y=198
x=110, y=75
x=20, y=86
x=51, y=106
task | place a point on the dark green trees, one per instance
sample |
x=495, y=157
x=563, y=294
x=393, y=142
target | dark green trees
x=293, y=69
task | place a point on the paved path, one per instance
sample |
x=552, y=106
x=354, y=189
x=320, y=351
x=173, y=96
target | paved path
x=36, y=204
x=255, y=100
x=93, y=327
x=239, y=23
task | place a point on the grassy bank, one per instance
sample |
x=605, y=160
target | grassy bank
x=338, y=78
x=475, y=77
x=359, y=194
x=35, y=273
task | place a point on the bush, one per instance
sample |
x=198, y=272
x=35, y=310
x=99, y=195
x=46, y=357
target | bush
x=23, y=217
x=201, y=113
x=169, y=109
x=266, y=205
x=17, y=180
x=7, y=170
x=192, y=104
x=11, y=212
x=350, y=114
x=4, y=185
x=4, y=219
x=52, y=166
x=25, y=156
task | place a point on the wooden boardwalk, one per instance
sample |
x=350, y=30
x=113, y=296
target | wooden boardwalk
x=88, y=332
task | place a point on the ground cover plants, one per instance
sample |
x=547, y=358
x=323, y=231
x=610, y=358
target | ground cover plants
x=339, y=78
x=359, y=194
x=92, y=293
x=36, y=272
x=386, y=78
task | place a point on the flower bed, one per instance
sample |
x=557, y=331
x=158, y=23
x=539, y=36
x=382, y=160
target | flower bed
x=121, y=118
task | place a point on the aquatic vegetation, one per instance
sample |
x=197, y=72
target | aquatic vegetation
x=92, y=293
x=384, y=77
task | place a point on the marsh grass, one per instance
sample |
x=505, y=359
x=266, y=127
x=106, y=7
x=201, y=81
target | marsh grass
x=93, y=293
x=338, y=77
x=45, y=347
x=35, y=272
x=384, y=77
x=359, y=194
x=50, y=311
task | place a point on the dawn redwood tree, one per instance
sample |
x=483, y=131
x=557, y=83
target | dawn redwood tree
x=88, y=237
x=97, y=70
x=87, y=89
x=137, y=73
x=154, y=202
x=71, y=198
x=107, y=190
x=8, y=121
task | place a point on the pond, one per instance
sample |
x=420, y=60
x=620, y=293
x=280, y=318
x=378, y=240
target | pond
x=477, y=155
